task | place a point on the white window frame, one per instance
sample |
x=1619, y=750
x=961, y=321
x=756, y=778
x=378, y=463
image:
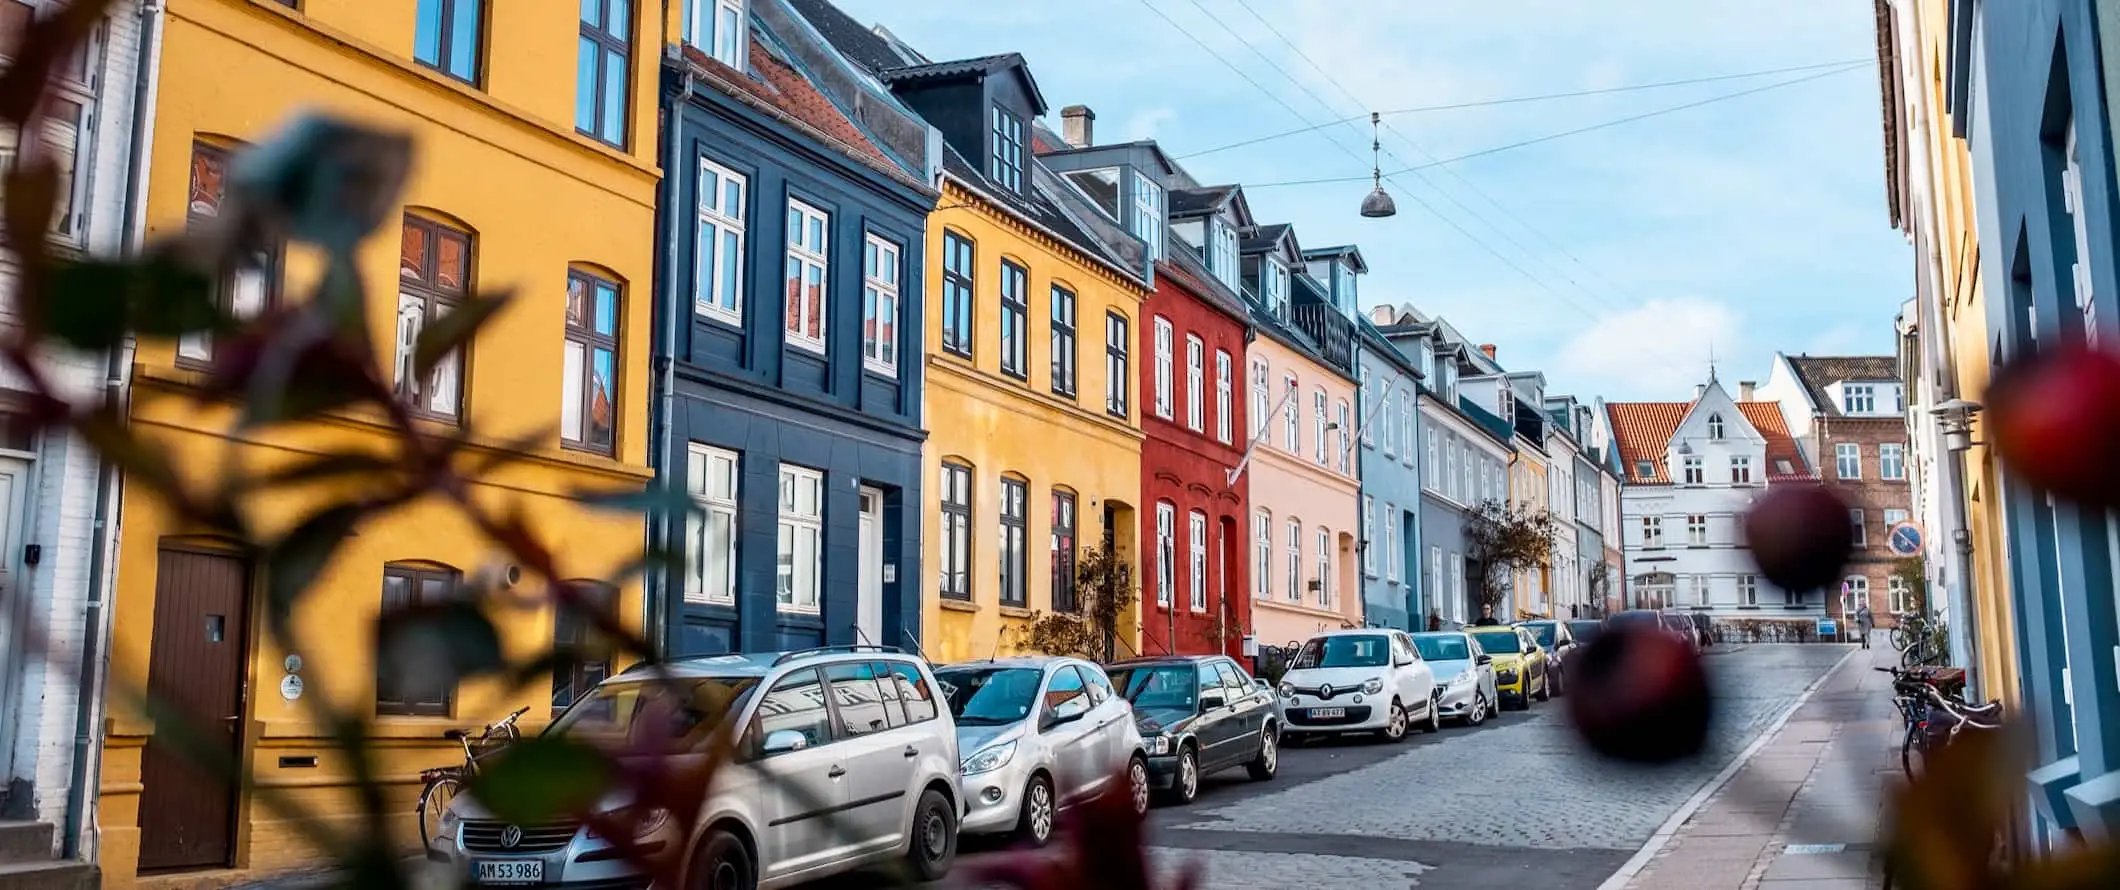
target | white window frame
x=723, y=44
x=1854, y=592
x=792, y=525
x=1195, y=383
x=1295, y=559
x=706, y=464
x=1407, y=418
x=1148, y=214
x=1741, y=470
x=1273, y=281
x=1860, y=523
x=73, y=141
x=1715, y=427
x=1196, y=545
x=806, y=258
x=1261, y=396
x=1222, y=253
x=1390, y=516
x=1748, y=590
x=1369, y=400
x=879, y=304
x=1429, y=478
x=1893, y=518
x=1165, y=373
x=2080, y=270
x=1317, y=424
x=1847, y=460
x=1343, y=443
x=1292, y=421
x=1457, y=585
x=1892, y=462
x=1453, y=484
x=1166, y=551
x=1652, y=531
x=1898, y=596
x=1858, y=398
x=1224, y=397
x=1695, y=468
x=1369, y=536
x=1697, y=530
x=1262, y=554
x=1325, y=590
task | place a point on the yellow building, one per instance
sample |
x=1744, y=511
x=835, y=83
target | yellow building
x=1930, y=187
x=516, y=184
x=1532, y=593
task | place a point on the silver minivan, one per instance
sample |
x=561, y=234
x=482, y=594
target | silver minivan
x=1039, y=734
x=846, y=758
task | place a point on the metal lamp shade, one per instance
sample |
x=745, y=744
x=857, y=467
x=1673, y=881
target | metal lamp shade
x=1379, y=204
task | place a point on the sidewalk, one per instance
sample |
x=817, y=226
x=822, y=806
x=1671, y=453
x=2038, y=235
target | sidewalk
x=1803, y=813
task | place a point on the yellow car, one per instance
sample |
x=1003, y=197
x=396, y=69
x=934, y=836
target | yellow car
x=1520, y=667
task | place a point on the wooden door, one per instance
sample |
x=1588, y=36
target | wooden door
x=195, y=673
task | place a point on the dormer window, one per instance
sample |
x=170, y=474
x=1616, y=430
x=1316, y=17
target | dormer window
x=1222, y=252
x=1343, y=294
x=1858, y=398
x=1273, y=288
x=1645, y=468
x=1005, y=164
x=716, y=28
x=1101, y=186
x=1147, y=222
x=1715, y=427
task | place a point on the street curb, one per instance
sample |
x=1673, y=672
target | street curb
x=1632, y=868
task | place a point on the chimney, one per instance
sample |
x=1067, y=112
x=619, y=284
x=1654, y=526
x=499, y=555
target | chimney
x=1699, y=389
x=1744, y=390
x=1078, y=126
x=1488, y=348
x=1383, y=315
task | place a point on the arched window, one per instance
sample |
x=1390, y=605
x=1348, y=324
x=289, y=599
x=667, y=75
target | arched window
x=435, y=269
x=1166, y=551
x=1715, y=426
x=956, y=561
x=407, y=682
x=243, y=291
x=1063, y=550
x=584, y=653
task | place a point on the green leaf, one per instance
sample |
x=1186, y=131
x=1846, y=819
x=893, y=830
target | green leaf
x=539, y=778
x=294, y=562
x=656, y=497
x=450, y=332
x=92, y=303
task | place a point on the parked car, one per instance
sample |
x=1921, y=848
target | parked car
x=1359, y=681
x=1559, y=643
x=1521, y=671
x=1464, y=673
x=1681, y=623
x=1585, y=630
x=1705, y=627
x=1039, y=734
x=857, y=728
x=1636, y=618
x=1199, y=715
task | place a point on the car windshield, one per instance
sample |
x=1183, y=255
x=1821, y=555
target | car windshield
x=1343, y=652
x=1624, y=619
x=1543, y=632
x=1158, y=686
x=1498, y=644
x=1585, y=631
x=1444, y=647
x=678, y=716
x=989, y=696
x=1678, y=622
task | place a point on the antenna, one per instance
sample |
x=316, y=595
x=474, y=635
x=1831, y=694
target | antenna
x=1711, y=360
x=908, y=635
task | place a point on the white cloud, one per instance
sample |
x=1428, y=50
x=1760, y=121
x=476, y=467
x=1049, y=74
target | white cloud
x=1657, y=350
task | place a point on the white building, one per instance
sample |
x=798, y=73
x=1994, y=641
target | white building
x=1692, y=470
x=55, y=573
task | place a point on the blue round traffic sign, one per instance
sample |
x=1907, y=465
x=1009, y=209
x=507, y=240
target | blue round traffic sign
x=1904, y=539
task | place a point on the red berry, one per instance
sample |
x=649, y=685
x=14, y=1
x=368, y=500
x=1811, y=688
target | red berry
x=1800, y=535
x=1639, y=695
x=2055, y=419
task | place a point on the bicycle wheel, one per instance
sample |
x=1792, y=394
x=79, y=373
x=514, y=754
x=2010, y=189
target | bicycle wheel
x=434, y=800
x=1913, y=749
x=1901, y=637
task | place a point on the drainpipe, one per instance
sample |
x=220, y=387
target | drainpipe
x=88, y=682
x=662, y=528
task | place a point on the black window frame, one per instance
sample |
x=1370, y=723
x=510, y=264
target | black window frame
x=960, y=296
x=267, y=262
x=1066, y=523
x=1015, y=542
x=592, y=342
x=886, y=702
x=1005, y=149
x=443, y=44
x=585, y=657
x=1065, y=347
x=1118, y=385
x=607, y=41
x=1015, y=320
x=956, y=580
x=833, y=729
x=415, y=575
x=440, y=300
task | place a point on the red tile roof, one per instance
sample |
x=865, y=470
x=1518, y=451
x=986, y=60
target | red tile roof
x=1643, y=430
x=789, y=92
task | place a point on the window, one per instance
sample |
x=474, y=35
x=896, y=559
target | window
x=808, y=243
x=1369, y=536
x=65, y=125
x=1453, y=484
x=1260, y=394
x=244, y=292
x=2080, y=278
x=795, y=704
x=1291, y=421
x=1697, y=530
x=716, y=27
x=957, y=299
x=1222, y=253
x=1715, y=426
x=446, y=37
x=717, y=274
x=1748, y=590
x=434, y=274
x=1273, y=285
x=1063, y=341
x=1166, y=551
x=1324, y=554
x=1115, y=388
x=1196, y=542
x=1344, y=418
x=1784, y=467
x=1696, y=473
x=1858, y=398
x=1892, y=461
x=879, y=305
x=1369, y=400
x=913, y=692
x=1900, y=598
x=1262, y=555
x=863, y=707
x=1862, y=532
x=1015, y=311
x=1645, y=469
x=587, y=652
x=1063, y=551
x=1317, y=424
x=1892, y=518
x=1406, y=421
x=1015, y=550
x=1164, y=370
x=1148, y=215
x=1380, y=415
x=1847, y=460
x=1005, y=166
x=588, y=413
x=1391, y=543
x=710, y=531
x=1457, y=583
x=801, y=538
x=956, y=541
x=1740, y=471
x=1428, y=443
x=1433, y=576
x=1295, y=560
x=400, y=691
x=600, y=70
x=1224, y=424
x=1065, y=695
x=1854, y=592
x=1195, y=379
x=1652, y=531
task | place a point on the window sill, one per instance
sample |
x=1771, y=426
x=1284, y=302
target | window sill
x=718, y=316
x=813, y=347
x=951, y=604
x=1017, y=612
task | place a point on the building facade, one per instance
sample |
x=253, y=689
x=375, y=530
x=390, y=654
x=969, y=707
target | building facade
x=56, y=493
x=525, y=176
x=1391, y=481
x=796, y=332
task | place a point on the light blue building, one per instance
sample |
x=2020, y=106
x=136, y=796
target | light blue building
x=1391, y=481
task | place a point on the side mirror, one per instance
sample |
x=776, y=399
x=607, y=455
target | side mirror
x=1057, y=718
x=1483, y=658
x=1262, y=685
x=1211, y=702
x=782, y=741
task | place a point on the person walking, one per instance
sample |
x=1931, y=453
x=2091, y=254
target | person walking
x=1863, y=623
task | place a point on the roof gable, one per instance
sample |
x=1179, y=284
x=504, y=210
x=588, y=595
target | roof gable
x=1819, y=373
x=979, y=67
x=1642, y=434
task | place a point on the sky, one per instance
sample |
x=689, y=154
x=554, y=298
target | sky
x=1617, y=261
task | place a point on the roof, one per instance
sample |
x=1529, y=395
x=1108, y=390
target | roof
x=1643, y=430
x=1193, y=202
x=858, y=42
x=982, y=65
x=1818, y=372
x=1502, y=431
x=1341, y=250
x=1187, y=272
x=786, y=90
x=1262, y=238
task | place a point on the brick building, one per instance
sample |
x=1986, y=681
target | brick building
x=1847, y=413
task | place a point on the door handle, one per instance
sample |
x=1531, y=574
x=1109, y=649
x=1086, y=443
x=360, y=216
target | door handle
x=911, y=751
x=837, y=771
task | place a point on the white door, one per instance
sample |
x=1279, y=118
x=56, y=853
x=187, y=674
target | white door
x=869, y=597
x=14, y=601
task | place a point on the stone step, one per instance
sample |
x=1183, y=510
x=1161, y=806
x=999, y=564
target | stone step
x=47, y=875
x=25, y=842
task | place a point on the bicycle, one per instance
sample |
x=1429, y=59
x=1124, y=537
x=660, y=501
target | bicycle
x=439, y=786
x=1919, y=696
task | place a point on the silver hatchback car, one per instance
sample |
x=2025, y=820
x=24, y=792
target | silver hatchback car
x=846, y=758
x=1039, y=733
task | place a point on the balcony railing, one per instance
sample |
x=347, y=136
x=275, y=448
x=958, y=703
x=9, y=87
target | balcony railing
x=1331, y=331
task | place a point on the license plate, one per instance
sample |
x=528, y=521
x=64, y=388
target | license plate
x=511, y=871
x=1327, y=713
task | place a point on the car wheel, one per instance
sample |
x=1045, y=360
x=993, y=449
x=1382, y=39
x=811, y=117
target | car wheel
x=934, y=842
x=1545, y=687
x=722, y=863
x=1478, y=714
x=1137, y=783
x=1036, y=822
x=1186, y=787
x=1264, y=766
x=1435, y=713
x=1395, y=725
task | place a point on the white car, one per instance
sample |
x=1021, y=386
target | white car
x=1039, y=734
x=1463, y=671
x=1367, y=680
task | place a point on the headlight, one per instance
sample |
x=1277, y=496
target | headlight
x=447, y=829
x=1288, y=690
x=1157, y=745
x=989, y=759
x=1464, y=679
x=648, y=821
x=1373, y=685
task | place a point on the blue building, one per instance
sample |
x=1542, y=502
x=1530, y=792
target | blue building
x=1391, y=480
x=789, y=356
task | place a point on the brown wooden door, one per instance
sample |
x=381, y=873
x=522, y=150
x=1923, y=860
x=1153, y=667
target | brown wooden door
x=195, y=678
